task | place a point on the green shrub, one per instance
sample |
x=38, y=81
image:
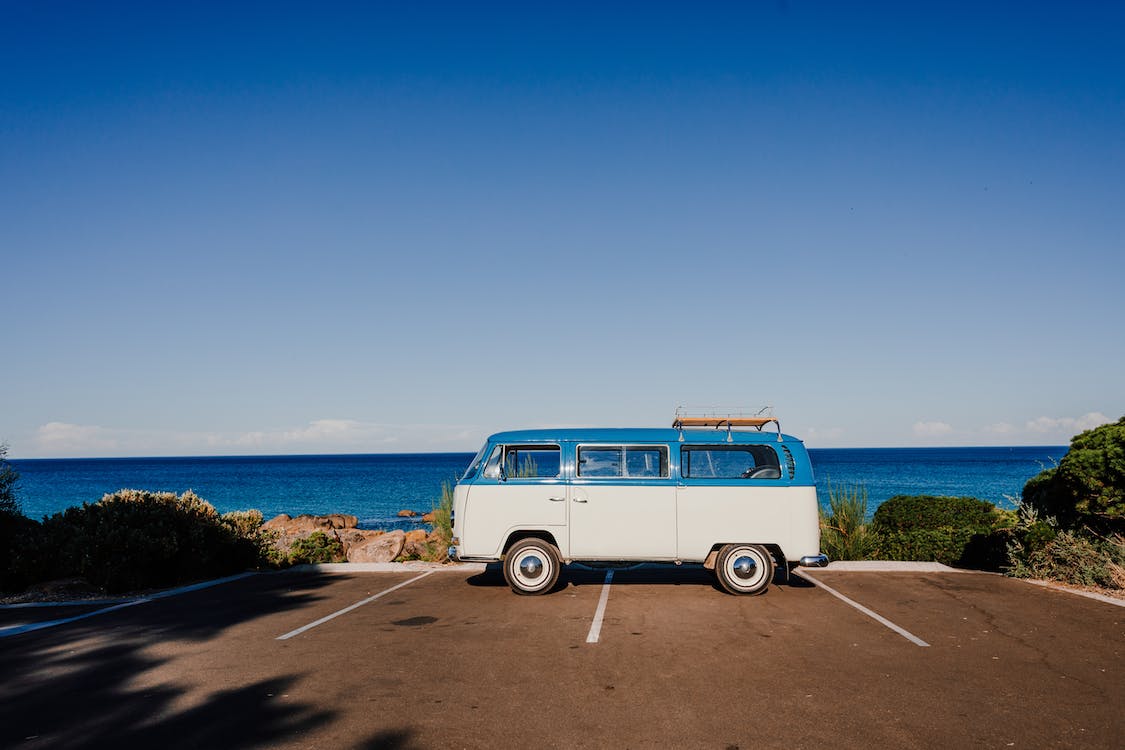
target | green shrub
x=443, y=522
x=1087, y=488
x=317, y=547
x=245, y=523
x=20, y=545
x=844, y=533
x=269, y=553
x=949, y=530
x=9, y=480
x=16, y=531
x=134, y=539
x=1073, y=557
x=909, y=512
x=936, y=545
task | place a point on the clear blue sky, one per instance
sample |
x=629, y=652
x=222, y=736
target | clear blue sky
x=307, y=227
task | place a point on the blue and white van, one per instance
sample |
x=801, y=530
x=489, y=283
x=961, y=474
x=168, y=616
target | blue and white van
x=739, y=501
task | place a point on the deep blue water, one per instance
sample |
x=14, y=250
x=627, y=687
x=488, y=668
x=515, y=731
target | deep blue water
x=372, y=487
x=992, y=474
x=375, y=487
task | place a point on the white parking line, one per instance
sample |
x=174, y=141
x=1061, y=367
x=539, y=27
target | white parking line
x=349, y=608
x=873, y=615
x=599, y=615
x=18, y=629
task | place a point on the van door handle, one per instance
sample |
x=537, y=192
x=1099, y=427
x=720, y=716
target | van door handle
x=580, y=500
x=556, y=499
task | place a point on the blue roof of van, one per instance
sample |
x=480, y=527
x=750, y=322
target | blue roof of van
x=637, y=435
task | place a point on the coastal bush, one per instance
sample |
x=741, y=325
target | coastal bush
x=20, y=541
x=1087, y=487
x=442, y=535
x=844, y=532
x=134, y=539
x=9, y=480
x=938, y=545
x=17, y=532
x=910, y=512
x=317, y=547
x=245, y=523
x=1041, y=548
x=949, y=530
x=1073, y=557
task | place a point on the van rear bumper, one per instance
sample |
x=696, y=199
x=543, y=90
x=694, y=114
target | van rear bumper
x=813, y=561
x=455, y=556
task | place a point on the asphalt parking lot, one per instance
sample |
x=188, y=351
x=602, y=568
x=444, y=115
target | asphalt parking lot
x=653, y=658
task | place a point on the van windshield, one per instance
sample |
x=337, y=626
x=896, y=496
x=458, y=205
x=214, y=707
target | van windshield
x=474, y=467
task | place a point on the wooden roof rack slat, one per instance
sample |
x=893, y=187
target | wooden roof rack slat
x=713, y=418
x=758, y=422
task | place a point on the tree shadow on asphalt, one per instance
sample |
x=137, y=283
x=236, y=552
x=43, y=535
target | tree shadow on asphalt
x=88, y=684
x=394, y=739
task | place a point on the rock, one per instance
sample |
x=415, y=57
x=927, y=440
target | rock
x=407, y=513
x=351, y=537
x=304, y=523
x=289, y=529
x=342, y=520
x=415, y=544
x=428, y=517
x=377, y=548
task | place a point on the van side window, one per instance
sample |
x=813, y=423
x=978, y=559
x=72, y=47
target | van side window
x=729, y=462
x=633, y=461
x=532, y=461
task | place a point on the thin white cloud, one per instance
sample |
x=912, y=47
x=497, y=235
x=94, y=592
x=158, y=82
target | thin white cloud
x=63, y=437
x=1071, y=425
x=59, y=439
x=822, y=436
x=932, y=429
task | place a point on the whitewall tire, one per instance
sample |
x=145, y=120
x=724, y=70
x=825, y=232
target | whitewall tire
x=532, y=566
x=744, y=569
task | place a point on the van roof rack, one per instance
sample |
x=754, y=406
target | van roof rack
x=697, y=417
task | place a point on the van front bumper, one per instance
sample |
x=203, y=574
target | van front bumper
x=813, y=561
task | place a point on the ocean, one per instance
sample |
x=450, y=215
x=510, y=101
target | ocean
x=375, y=487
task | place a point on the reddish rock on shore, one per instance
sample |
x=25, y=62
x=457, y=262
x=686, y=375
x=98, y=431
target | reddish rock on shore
x=381, y=548
x=360, y=545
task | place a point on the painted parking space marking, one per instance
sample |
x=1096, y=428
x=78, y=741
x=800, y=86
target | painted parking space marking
x=599, y=615
x=350, y=607
x=873, y=615
x=18, y=629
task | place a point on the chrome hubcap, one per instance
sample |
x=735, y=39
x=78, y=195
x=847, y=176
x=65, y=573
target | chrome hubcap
x=531, y=567
x=745, y=567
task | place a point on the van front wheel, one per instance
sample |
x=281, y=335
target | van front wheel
x=532, y=566
x=744, y=569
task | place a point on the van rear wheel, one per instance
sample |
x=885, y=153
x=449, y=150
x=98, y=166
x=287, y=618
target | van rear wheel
x=744, y=569
x=532, y=566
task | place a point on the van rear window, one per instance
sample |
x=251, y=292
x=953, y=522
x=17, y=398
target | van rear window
x=730, y=462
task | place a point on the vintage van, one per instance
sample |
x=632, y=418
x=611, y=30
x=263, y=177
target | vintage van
x=716, y=491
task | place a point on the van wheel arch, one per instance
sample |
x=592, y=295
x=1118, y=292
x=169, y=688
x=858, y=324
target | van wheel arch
x=779, y=561
x=516, y=536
